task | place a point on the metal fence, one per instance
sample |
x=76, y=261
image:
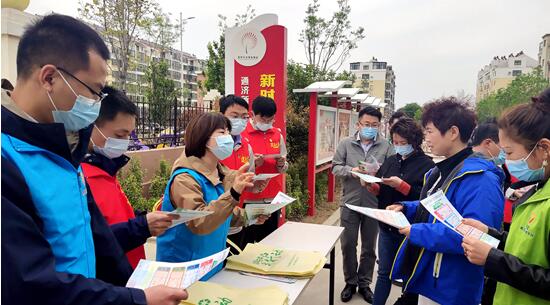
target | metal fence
x=162, y=124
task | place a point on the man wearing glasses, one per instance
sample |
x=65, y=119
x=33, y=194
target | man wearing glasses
x=367, y=146
x=56, y=246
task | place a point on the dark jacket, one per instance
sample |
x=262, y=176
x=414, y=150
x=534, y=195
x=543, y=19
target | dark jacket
x=28, y=264
x=411, y=170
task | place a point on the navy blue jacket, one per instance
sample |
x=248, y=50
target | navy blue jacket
x=28, y=264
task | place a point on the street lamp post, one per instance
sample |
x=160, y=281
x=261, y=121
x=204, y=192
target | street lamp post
x=181, y=49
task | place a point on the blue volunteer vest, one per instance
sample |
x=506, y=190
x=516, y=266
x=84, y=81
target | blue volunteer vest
x=58, y=191
x=179, y=244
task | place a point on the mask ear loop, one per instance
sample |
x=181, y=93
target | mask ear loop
x=66, y=82
x=100, y=132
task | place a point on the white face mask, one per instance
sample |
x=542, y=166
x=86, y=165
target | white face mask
x=237, y=126
x=113, y=148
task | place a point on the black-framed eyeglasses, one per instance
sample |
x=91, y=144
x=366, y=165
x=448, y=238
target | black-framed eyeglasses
x=373, y=125
x=99, y=94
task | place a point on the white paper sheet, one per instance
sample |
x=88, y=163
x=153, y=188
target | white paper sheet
x=367, y=178
x=253, y=210
x=392, y=218
x=263, y=177
x=187, y=215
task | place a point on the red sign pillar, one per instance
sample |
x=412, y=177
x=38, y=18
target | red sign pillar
x=311, y=153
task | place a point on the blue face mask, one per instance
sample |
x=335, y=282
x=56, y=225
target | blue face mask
x=501, y=158
x=369, y=133
x=84, y=112
x=404, y=150
x=224, y=147
x=237, y=126
x=520, y=169
x=113, y=147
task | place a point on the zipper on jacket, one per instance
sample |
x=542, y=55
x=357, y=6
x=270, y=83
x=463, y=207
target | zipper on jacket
x=437, y=267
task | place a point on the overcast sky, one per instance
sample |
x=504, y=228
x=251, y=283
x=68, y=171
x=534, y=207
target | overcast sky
x=436, y=47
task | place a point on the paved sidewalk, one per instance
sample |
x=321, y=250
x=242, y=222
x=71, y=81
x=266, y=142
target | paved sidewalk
x=317, y=291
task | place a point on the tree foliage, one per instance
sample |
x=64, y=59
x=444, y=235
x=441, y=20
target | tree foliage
x=121, y=22
x=520, y=90
x=412, y=110
x=328, y=42
x=215, y=65
x=161, y=91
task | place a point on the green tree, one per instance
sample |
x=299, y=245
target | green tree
x=328, y=42
x=120, y=22
x=412, y=110
x=215, y=65
x=520, y=90
x=161, y=91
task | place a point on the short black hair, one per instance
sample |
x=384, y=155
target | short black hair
x=485, y=130
x=199, y=131
x=447, y=112
x=58, y=40
x=369, y=110
x=396, y=116
x=410, y=130
x=114, y=103
x=230, y=100
x=264, y=106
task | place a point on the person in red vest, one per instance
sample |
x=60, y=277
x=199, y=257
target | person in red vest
x=268, y=145
x=235, y=108
x=109, y=142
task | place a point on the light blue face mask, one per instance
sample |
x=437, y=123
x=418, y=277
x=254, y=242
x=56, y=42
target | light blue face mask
x=404, y=150
x=237, y=125
x=84, y=112
x=224, y=147
x=520, y=169
x=113, y=147
x=369, y=133
x=501, y=158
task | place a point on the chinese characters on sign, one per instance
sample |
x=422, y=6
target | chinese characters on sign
x=267, y=85
x=244, y=88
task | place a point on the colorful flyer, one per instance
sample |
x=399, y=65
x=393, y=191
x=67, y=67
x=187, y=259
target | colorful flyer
x=176, y=275
x=441, y=208
x=392, y=218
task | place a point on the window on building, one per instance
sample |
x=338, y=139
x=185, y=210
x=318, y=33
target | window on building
x=354, y=66
x=379, y=65
x=365, y=67
x=517, y=62
x=516, y=72
x=365, y=76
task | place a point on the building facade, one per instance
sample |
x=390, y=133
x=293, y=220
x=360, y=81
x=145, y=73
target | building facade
x=500, y=72
x=544, y=56
x=182, y=69
x=376, y=78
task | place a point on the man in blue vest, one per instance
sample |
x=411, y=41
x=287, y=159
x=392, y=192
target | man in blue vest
x=56, y=246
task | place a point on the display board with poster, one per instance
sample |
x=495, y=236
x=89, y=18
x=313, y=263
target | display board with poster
x=326, y=134
x=354, y=118
x=344, y=123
